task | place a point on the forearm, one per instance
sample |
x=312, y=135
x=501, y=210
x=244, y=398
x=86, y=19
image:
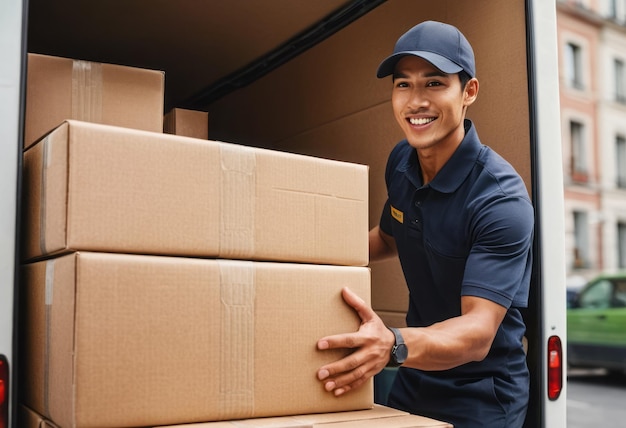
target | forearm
x=443, y=346
x=457, y=340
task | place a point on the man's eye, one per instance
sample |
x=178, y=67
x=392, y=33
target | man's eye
x=433, y=84
x=402, y=85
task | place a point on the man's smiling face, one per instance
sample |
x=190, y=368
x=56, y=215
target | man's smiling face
x=429, y=104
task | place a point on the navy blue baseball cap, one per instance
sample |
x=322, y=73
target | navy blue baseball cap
x=443, y=45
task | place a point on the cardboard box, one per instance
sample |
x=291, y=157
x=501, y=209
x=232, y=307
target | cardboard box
x=27, y=418
x=378, y=416
x=117, y=340
x=392, y=319
x=103, y=188
x=63, y=88
x=188, y=123
x=392, y=294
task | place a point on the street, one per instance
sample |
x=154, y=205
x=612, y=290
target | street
x=595, y=399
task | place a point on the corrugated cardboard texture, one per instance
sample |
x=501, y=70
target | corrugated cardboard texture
x=122, y=340
x=393, y=319
x=63, y=88
x=378, y=416
x=104, y=188
x=188, y=123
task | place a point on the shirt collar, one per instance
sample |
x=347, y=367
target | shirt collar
x=455, y=170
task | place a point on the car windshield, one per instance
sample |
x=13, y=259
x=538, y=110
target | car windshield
x=604, y=294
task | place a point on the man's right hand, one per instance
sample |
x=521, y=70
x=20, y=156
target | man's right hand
x=372, y=345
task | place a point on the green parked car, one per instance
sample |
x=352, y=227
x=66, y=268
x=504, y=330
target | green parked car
x=596, y=324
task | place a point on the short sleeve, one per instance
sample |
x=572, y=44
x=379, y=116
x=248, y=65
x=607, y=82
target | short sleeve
x=499, y=264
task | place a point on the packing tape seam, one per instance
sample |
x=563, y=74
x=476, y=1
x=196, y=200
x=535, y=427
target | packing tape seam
x=45, y=163
x=48, y=296
x=237, y=318
x=87, y=91
x=237, y=201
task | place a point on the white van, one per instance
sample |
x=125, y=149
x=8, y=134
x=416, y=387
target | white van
x=299, y=76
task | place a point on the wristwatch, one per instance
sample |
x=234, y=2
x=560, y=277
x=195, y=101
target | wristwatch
x=399, y=351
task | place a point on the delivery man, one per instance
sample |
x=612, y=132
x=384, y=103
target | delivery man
x=459, y=218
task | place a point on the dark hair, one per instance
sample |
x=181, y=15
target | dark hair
x=464, y=78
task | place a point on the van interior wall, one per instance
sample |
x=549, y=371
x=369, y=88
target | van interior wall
x=328, y=102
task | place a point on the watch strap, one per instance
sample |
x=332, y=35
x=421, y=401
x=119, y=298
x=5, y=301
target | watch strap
x=398, y=350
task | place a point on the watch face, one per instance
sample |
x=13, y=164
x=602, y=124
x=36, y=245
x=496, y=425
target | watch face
x=400, y=353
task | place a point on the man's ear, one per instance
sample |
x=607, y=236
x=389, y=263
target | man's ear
x=470, y=93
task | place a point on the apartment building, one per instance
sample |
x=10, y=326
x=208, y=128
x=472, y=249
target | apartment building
x=592, y=71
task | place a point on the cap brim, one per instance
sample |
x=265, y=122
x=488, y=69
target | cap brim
x=444, y=64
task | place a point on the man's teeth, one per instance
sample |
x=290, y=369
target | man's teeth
x=420, y=121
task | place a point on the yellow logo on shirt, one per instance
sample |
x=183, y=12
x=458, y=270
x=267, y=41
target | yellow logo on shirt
x=397, y=214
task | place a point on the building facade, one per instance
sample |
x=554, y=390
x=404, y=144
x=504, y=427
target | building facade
x=592, y=72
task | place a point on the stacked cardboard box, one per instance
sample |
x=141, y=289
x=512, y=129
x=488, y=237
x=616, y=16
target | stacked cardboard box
x=188, y=123
x=103, y=188
x=378, y=416
x=122, y=340
x=64, y=88
x=136, y=311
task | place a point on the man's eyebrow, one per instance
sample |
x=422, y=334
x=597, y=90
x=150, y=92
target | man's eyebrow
x=434, y=73
x=398, y=75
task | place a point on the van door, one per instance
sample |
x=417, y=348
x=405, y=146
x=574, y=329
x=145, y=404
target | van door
x=11, y=65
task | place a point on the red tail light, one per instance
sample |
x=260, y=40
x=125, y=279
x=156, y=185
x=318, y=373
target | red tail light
x=4, y=392
x=555, y=367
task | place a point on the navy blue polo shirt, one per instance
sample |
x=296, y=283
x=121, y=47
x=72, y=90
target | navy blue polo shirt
x=466, y=233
